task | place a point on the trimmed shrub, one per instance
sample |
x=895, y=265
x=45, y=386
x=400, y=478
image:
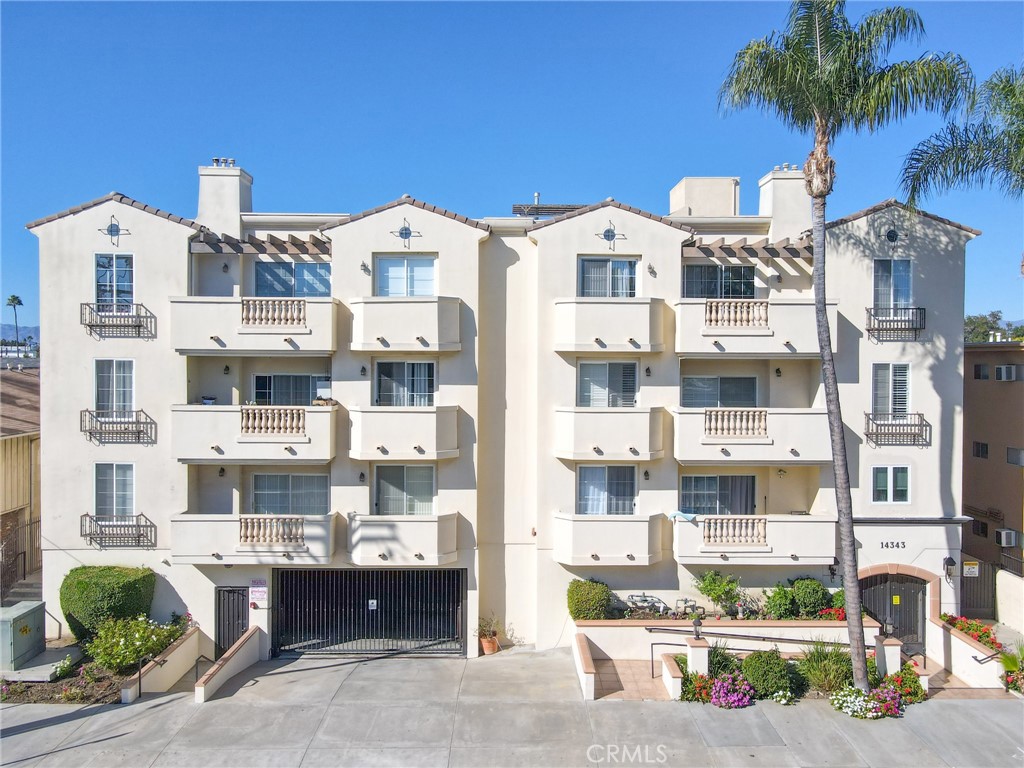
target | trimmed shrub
x=811, y=597
x=839, y=598
x=588, y=600
x=827, y=667
x=121, y=643
x=780, y=603
x=91, y=594
x=722, y=589
x=767, y=672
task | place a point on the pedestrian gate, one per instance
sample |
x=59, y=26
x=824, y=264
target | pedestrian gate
x=388, y=610
x=232, y=617
x=977, y=588
x=901, y=600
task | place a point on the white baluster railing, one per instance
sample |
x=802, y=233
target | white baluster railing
x=735, y=530
x=736, y=422
x=273, y=420
x=736, y=313
x=274, y=312
x=268, y=529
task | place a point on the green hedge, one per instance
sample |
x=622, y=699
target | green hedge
x=90, y=594
x=589, y=600
x=767, y=672
x=811, y=596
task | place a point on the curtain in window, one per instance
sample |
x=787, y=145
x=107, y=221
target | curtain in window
x=901, y=484
x=880, y=389
x=310, y=495
x=285, y=389
x=390, y=383
x=390, y=493
x=421, y=277
x=892, y=285
x=270, y=494
x=623, y=278
x=405, y=384
x=901, y=283
x=419, y=487
x=115, y=490
x=880, y=484
x=700, y=392
x=699, y=495
x=312, y=279
x=594, y=275
x=115, y=283
x=405, y=490
x=390, y=277
x=593, y=387
x=114, y=385
x=274, y=279
x=591, y=492
x=701, y=281
x=736, y=495
x=421, y=384
x=738, y=282
x=717, y=495
x=621, y=490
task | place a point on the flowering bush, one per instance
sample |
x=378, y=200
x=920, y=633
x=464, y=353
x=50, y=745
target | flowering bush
x=832, y=614
x=121, y=643
x=1013, y=681
x=697, y=687
x=906, y=683
x=785, y=698
x=731, y=691
x=873, y=705
x=974, y=629
x=64, y=668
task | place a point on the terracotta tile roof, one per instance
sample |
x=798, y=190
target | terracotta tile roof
x=407, y=200
x=19, y=401
x=893, y=202
x=117, y=197
x=610, y=203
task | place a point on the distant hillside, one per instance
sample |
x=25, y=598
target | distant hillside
x=7, y=331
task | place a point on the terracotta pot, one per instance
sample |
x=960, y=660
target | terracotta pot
x=489, y=645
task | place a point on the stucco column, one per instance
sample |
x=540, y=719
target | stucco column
x=887, y=654
x=697, y=655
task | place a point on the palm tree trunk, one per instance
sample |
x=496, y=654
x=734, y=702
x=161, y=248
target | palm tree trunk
x=841, y=469
x=17, y=332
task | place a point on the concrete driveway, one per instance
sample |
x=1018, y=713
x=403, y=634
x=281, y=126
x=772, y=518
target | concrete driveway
x=513, y=709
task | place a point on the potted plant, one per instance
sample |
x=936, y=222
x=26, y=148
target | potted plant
x=487, y=629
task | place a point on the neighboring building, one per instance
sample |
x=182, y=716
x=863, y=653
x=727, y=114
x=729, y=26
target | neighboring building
x=20, y=554
x=994, y=452
x=374, y=428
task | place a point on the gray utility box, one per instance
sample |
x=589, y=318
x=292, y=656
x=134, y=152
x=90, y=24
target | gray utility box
x=21, y=633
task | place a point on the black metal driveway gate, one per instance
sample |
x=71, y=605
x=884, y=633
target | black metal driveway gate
x=387, y=610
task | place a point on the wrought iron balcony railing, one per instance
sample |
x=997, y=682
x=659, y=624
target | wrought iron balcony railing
x=119, y=426
x=897, y=428
x=895, y=321
x=113, y=319
x=137, y=531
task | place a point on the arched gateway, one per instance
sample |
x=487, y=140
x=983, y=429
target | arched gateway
x=898, y=594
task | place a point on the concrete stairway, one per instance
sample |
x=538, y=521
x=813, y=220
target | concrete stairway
x=29, y=588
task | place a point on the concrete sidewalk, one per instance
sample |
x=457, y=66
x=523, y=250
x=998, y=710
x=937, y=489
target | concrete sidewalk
x=519, y=709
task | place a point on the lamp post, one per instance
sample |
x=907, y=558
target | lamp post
x=697, y=624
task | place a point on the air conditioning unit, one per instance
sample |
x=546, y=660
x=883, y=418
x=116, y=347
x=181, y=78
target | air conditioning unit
x=1006, y=537
x=1006, y=373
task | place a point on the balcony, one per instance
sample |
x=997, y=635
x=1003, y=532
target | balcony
x=797, y=540
x=750, y=327
x=400, y=434
x=134, y=532
x=103, y=427
x=228, y=325
x=118, y=320
x=894, y=323
x=206, y=539
x=256, y=434
x=406, y=324
x=897, y=429
x=385, y=540
x=612, y=434
x=608, y=539
x=752, y=436
x=603, y=325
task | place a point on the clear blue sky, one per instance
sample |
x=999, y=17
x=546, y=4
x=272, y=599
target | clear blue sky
x=341, y=107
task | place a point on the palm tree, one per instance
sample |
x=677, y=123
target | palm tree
x=14, y=302
x=822, y=76
x=987, y=149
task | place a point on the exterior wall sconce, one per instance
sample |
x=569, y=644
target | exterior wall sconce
x=647, y=371
x=225, y=268
x=287, y=339
x=647, y=475
x=781, y=473
x=421, y=340
x=362, y=370
x=778, y=373
x=365, y=267
x=227, y=369
x=220, y=472
x=362, y=477
x=950, y=565
x=651, y=270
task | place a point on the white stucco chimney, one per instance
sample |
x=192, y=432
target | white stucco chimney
x=705, y=196
x=225, y=192
x=784, y=198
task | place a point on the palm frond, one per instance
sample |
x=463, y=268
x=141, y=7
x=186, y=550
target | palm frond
x=765, y=76
x=935, y=82
x=879, y=31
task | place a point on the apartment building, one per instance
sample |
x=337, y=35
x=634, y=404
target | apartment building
x=994, y=452
x=363, y=432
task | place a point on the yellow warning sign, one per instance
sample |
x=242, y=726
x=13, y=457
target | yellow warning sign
x=895, y=599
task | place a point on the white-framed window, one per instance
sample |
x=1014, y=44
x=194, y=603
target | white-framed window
x=405, y=384
x=1015, y=456
x=606, y=277
x=719, y=392
x=890, y=390
x=717, y=494
x=115, y=388
x=606, y=385
x=399, y=275
x=892, y=285
x=979, y=450
x=404, y=489
x=115, y=282
x=287, y=388
x=890, y=485
x=115, y=492
x=605, y=490
x=274, y=494
x=299, y=279
x=718, y=281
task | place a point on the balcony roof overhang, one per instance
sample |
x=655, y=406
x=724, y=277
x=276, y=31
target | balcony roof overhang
x=208, y=242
